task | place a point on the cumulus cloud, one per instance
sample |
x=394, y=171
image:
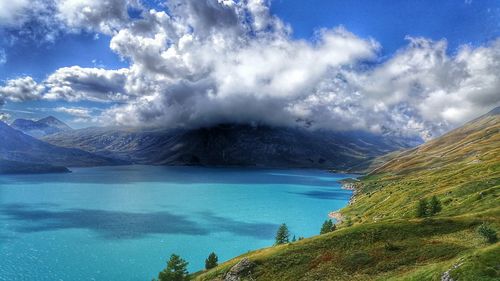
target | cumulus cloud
x=21, y=89
x=70, y=84
x=95, y=15
x=201, y=63
x=92, y=84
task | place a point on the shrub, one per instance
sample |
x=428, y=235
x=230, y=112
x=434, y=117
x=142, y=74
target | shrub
x=489, y=234
x=391, y=247
x=434, y=206
x=422, y=207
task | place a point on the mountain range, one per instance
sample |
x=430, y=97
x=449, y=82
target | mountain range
x=45, y=126
x=50, y=142
x=234, y=145
x=17, y=148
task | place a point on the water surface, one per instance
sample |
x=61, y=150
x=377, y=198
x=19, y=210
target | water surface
x=122, y=223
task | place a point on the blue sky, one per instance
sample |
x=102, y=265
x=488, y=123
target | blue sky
x=84, y=40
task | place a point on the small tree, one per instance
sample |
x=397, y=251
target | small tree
x=434, y=206
x=327, y=226
x=294, y=239
x=348, y=221
x=487, y=232
x=176, y=270
x=422, y=207
x=283, y=235
x=212, y=261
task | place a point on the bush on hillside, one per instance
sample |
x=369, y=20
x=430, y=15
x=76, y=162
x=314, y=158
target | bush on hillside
x=488, y=233
x=422, y=208
x=434, y=206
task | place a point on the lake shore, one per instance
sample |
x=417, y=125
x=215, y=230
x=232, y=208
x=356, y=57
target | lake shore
x=347, y=184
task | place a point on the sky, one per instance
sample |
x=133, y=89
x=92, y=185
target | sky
x=399, y=67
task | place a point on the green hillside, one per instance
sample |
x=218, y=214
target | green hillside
x=381, y=237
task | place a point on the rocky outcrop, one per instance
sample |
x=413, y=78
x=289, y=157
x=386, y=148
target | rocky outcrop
x=240, y=271
x=446, y=275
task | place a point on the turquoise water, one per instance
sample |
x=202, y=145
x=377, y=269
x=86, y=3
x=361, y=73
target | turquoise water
x=122, y=223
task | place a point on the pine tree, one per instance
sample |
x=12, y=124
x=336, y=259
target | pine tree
x=294, y=239
x=434, y=206
x=176, y=270
x=422, y=207
x=283, y=235
x=211, y=261
x=328, y=226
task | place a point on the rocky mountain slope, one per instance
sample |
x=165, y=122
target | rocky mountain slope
x=45, y=126
x=381, y=238
x=19, y=147
x=235, y=145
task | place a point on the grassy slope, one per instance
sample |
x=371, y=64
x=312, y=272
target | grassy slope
x=386, y=242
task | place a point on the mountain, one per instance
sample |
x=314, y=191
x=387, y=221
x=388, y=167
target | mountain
x=19, y=147
x=380, y=236
x=45, y=126
x=234, y=145
x=14, y=167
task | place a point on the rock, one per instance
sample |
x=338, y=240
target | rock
x=446, y=275
x=240, y=270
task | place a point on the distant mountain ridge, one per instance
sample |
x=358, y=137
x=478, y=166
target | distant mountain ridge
x=45, y=126
x=19, y=147
x=14, y=167
x=235, y=145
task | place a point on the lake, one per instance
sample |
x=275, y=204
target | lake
x=122, y=223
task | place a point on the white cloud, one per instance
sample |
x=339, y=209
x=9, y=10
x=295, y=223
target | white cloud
x=95, y=15
x=79, y=112
x=93, y=84
x=21, y=89
x=198, y=67
x=11, y=11
x=218, y=61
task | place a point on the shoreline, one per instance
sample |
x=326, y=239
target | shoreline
x=346, y=184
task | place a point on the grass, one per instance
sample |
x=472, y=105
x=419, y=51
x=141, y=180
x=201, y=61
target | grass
x=386, y=241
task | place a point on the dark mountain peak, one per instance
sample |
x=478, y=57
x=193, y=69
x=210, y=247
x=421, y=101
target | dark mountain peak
x=52, y=121
x=45, y=126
